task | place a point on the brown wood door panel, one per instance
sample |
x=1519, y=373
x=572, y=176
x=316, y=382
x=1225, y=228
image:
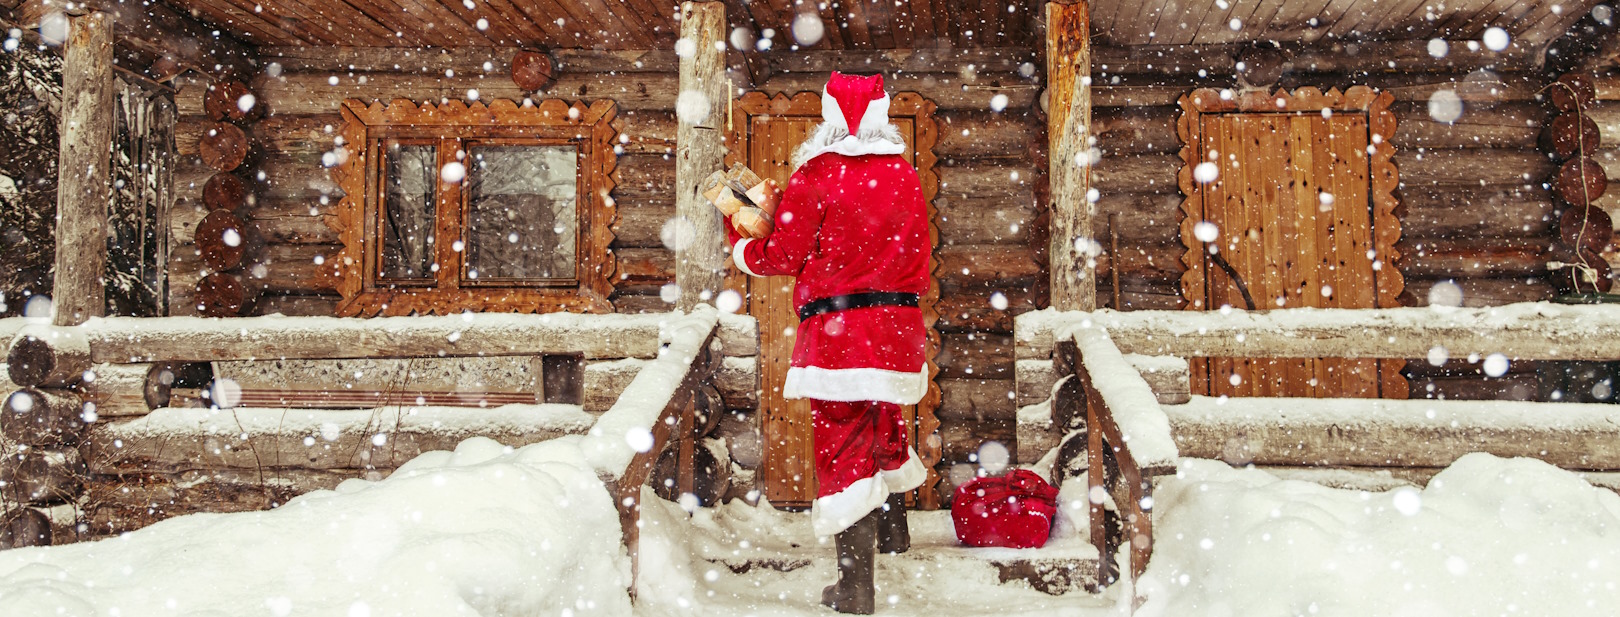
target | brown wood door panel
x=771, y=129
x=1292, y=205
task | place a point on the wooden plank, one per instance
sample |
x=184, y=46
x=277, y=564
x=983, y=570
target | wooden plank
x=1072, y=283
x=160, y=31
x=701, y=264
x=83, y=191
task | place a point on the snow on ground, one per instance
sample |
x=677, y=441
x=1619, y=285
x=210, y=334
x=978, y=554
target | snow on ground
x=1488, y=536
x=482, y=531
x=491, y=531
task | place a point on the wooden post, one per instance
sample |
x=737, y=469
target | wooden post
x=1068, y=71
x=700, y=261
x=86, y=130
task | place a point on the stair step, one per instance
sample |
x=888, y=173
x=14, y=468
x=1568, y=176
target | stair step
x=760, y=539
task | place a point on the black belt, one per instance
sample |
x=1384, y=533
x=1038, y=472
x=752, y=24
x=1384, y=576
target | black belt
x=855, y=301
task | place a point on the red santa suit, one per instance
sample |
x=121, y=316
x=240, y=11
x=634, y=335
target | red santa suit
x=852, y=226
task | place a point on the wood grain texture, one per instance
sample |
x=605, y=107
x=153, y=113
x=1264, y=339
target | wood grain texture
x=1073, y=283
x=1304, y=204
x=700, y=264
x=85, y=186
x=589, y=127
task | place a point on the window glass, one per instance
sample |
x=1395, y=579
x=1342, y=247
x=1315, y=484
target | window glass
x=522, y=215
x=407, y=225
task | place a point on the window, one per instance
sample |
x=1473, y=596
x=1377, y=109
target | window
x=459, y=207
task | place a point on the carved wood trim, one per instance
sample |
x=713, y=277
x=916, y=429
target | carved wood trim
x=590, y=126
x=904, y=104
x=1383, y=176
x=1383, y=179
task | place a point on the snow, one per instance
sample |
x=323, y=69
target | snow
x=1529, y=330
x=1487, y=536
x=1135, y=409
x=481, y=531
x=502, y=420
x=623, y=431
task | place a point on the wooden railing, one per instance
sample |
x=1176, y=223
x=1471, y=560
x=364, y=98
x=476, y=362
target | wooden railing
x=655, y=410
x=1130, y=440
x=1128, y=435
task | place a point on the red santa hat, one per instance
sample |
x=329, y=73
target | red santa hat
x=855, y=102
x=858, y=105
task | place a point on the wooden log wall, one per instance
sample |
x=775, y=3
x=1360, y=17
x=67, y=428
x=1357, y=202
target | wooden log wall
x=1475, y=210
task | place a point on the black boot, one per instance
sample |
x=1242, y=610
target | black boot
x=854, y=592
x=894, y=536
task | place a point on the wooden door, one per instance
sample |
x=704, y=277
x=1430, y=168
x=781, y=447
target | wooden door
x=766, y=133
x=1291, y=206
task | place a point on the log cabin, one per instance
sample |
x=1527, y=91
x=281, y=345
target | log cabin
x=366, y=160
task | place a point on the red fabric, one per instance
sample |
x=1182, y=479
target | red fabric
x=853, y=93
x=854, y=441
x=1014, y=510
x=851, y=224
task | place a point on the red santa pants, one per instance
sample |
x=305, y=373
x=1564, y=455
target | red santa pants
x=854, y=441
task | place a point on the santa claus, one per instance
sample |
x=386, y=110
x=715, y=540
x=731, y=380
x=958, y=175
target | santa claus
x=852, y=226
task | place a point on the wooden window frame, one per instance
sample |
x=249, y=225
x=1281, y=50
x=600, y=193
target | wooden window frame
x=1383, y=178
x=455, y=125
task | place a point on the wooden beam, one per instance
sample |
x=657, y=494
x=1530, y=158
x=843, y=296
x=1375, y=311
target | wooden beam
x=1523, y=331
x=156, y=30
x=700, y=264
x=1068, y=70
x=86, y=129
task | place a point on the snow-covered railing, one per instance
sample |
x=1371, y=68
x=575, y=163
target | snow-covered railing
x=1127, y=432
x=1525, y=331
x=657, y=408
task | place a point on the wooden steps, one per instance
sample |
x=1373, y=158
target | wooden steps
x=780, y=542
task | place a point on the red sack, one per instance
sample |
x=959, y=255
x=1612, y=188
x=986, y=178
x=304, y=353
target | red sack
x=1015, y=510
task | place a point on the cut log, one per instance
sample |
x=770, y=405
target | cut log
x=128, y=389
x=221, y=295
x=1594, y=273
x=43, y=476
x=1508, y=125
x=976, y=400
x=22, y=527
x=42, y=356
x=43, y=418
x=975, y=355
x=1460, y=258
x=1580, y=181
x=1587, y=227
x=1573, y=93
x=711, y=475
x=85, y=185
x=1571, y=133
x=533, y=70
x=232, y=101
x=224, y=191
x=220, y=240
x=1472, y=167
x=223, y=147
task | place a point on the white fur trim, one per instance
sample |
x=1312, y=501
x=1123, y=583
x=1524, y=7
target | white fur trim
x=875, y=118
x=737, y=256
x=855, y=384
x=836, y=512
x=853, y=146
x=910, y=475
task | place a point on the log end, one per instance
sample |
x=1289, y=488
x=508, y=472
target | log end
x=30, y=361
x=532, y=70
